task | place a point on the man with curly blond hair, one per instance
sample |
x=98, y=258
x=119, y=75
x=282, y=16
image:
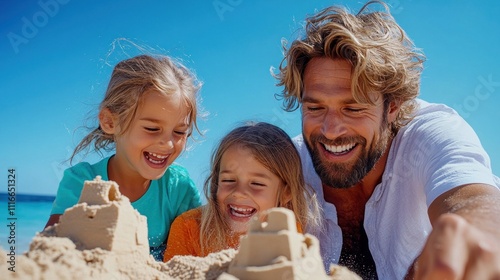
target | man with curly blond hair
x=407, y=189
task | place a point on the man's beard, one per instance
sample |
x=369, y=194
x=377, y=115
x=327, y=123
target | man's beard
x=346, y=175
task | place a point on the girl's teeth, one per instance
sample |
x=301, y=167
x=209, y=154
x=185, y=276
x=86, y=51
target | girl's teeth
x=156, y=158
x=155, y=161
x=241, y=212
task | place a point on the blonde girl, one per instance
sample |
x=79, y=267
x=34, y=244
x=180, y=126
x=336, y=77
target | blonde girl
x=148, y=112
x=255, y=167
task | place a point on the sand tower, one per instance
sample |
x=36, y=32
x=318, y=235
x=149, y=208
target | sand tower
x=103, y=218
x=273, y=249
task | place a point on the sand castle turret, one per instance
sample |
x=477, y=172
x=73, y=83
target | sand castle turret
x=273, y=249
x=103, y=218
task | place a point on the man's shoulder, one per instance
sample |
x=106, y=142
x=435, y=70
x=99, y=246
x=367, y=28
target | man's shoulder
x=431, y=118
x=300, y=145
x=298, y=141
x=298, y=138
x=433, y=110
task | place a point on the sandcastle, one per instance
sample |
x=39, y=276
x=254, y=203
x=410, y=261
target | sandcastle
x=273, y=249
x=103, y=218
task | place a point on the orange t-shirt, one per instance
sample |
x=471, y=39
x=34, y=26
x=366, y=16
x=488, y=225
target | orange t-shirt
x=184, y=237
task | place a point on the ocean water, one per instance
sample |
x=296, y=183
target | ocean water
x=30, y=214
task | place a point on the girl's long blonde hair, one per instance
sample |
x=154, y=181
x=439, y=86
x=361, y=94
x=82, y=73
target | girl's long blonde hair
x=273, y=148
x=130, y=79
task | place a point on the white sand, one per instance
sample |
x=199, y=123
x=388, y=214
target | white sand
x=58, y=258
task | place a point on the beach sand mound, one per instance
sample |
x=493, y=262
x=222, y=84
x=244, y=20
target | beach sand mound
x=58, y=258
x=103, y=237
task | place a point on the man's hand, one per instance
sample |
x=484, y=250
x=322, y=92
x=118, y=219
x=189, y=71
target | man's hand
x=457, y=249
x=465, y=240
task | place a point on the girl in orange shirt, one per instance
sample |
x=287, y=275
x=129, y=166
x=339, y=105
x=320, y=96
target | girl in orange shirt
x=256, y=167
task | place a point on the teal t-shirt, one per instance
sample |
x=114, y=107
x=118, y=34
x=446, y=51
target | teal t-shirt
x=165, y=199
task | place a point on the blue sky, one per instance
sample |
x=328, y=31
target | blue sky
x=56, y=57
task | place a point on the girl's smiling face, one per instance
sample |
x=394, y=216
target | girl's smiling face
x=155, y=137
x=245, y=187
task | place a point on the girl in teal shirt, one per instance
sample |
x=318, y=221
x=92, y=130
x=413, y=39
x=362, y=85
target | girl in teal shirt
x=147, y=114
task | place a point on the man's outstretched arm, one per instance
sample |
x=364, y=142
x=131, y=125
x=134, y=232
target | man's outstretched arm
x=465, y=240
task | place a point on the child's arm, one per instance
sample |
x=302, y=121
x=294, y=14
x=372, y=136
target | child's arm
x=53, y=219
x=184, y=237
